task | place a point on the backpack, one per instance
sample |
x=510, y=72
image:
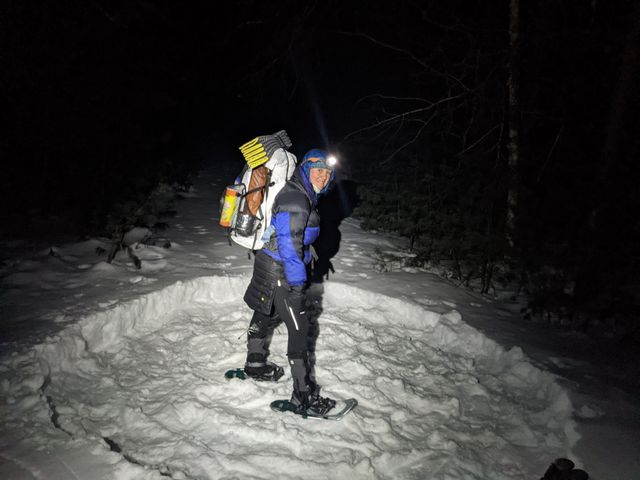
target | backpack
x=245, y=207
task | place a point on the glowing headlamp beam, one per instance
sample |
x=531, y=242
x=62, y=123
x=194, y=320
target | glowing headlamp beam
x=332, y=160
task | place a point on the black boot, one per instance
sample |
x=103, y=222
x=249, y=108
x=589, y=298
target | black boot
x=306, y=393
x=258, y=368
x=308, y=402
x=269, y=372
x=560, y=469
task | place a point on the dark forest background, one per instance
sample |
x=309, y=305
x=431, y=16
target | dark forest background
x=499, y=137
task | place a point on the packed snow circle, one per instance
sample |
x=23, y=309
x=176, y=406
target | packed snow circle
x=143, y=381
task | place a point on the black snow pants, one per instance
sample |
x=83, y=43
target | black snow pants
x=262, y=326
x=298, y=328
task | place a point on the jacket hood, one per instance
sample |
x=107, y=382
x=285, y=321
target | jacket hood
x=315, y=158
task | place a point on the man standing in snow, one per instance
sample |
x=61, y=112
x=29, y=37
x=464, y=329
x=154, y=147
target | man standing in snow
x=277, y=289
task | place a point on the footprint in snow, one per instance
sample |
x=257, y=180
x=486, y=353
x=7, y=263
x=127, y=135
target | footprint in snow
x=107, y=304
x=142, y=280
x=589, y=411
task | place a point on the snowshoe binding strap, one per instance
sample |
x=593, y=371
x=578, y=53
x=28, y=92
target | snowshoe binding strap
x=269, y=372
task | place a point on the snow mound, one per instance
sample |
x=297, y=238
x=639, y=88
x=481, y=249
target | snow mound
x=437, y=399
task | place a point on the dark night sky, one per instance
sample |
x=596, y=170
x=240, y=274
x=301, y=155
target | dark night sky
x=93, y=88
x=237, y=67
x=218, y=72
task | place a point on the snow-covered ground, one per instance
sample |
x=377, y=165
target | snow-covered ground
x=112, y=372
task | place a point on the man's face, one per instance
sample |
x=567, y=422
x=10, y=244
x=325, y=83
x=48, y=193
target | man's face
x=319, y=177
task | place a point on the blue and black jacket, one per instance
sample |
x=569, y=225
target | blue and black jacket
x=295, y=225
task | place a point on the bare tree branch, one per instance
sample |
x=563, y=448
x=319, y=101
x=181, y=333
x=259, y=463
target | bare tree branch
x=398, y=150
x=404, y=114
x=479, y=140
x=408, y=53
x=390, y=97
x=553, y=147
x=112, y=18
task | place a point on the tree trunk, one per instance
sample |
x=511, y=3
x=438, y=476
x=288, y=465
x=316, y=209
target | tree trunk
x=618, y=129
x=615, y=150
x=513, y=145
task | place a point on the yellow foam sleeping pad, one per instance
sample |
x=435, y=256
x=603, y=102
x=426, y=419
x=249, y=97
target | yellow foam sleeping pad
x=254, y=153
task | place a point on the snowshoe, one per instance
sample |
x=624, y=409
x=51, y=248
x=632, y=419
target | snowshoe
x=235, y=373
x=342, y=408
x=562, y=469
x=311, y=403
x=268, y=372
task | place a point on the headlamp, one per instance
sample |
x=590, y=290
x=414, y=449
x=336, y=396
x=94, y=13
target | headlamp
x=332, y=160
